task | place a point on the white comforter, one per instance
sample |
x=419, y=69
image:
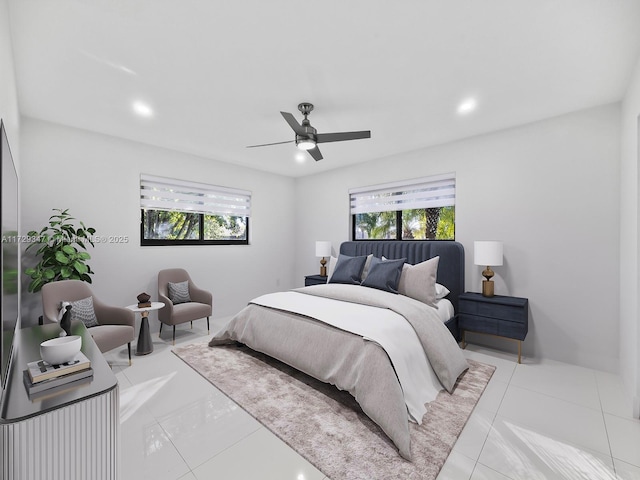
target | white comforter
x=388, y=329
x=345, y=359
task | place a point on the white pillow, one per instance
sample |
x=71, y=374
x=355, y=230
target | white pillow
x=441, y=291
x=332, y=267
x=367, y=266
x=419, y=281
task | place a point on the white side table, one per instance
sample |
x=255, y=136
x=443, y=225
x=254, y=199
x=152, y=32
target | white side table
x=145, y=345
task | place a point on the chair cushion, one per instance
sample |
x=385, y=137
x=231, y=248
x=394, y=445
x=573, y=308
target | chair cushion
x=179, y=292
x=83, y=310
x=108, y=337
x=186, y=312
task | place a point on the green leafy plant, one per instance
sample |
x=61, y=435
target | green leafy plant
x=62, y=247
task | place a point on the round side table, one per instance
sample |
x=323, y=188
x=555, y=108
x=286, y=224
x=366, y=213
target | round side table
x=145, y=345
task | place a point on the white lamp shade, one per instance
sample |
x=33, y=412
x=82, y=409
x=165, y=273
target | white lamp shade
x=487, y=253
x=323, y=249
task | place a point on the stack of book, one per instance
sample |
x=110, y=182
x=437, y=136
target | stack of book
x=40, y=376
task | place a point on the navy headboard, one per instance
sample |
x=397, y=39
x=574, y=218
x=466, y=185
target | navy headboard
x=450, y=265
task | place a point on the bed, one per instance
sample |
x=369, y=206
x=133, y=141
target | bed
x=393, y=353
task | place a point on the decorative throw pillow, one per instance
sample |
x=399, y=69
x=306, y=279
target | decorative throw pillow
x=332, y=267
x=419, y=281
x=179, y=292
x=348, y=270
x=384, y=274
x=83, y=310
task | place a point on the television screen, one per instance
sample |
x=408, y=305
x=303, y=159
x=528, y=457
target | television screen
x=10, y=256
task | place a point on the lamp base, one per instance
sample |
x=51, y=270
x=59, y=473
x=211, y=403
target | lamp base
x=487, y=288
x=323, y=268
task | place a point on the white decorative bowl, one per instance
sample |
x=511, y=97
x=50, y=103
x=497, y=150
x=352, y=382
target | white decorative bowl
x=60, y=350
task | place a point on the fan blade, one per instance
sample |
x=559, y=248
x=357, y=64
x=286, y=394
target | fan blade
x=342, y=136
x=315, y=153
x=269, y=144
x=293, y=123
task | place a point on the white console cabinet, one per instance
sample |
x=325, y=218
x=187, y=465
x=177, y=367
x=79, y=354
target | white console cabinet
x=69, y=433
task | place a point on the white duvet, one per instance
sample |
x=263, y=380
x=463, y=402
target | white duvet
x=385, y=327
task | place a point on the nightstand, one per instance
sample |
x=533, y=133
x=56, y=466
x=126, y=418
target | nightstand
x=501, y=316
x=314, y=280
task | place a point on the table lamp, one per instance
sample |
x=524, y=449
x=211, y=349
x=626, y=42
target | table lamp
x=323, y=249
x=489, y=254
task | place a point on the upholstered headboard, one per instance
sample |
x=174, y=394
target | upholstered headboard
x=450, y=265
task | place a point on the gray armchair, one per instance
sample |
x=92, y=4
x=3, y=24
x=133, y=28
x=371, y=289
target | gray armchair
x=116, y=324
x=200, y=306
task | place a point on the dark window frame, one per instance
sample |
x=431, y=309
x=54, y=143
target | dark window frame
x=398, y=232
x=147, y=242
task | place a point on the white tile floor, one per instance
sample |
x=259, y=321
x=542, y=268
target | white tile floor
x=538, y=420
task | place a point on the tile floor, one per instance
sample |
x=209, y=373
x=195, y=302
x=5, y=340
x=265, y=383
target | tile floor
x=538, y=420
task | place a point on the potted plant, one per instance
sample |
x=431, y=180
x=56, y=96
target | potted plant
x=62, y=248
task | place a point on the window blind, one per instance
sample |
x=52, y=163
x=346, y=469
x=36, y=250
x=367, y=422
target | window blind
x=159, y=193
x=426, y=192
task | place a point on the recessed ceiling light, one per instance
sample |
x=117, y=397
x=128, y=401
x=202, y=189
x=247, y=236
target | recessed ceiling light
x=467, y=106
x=142, y=109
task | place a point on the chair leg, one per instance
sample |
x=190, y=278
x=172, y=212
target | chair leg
x=160, y=332
x=129, y=348
x=174, y=334
x=207, y=324
x=191, y=324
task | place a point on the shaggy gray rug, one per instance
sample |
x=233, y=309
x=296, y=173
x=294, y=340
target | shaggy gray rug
x=325, y=425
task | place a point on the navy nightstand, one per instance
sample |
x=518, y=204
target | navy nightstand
x=314, y=280
x=501, y=316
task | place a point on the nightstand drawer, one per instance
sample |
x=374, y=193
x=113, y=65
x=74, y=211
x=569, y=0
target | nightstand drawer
x=314, y=280
x=515, y=330
x=478, y=324
x=511, y=311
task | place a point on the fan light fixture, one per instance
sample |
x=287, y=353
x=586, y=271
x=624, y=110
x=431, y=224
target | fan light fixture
x=306, y=143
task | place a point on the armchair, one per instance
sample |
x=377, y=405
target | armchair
x=116, y=324
x=200, y=306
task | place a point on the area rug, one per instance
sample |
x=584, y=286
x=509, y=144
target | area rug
x=325, y=425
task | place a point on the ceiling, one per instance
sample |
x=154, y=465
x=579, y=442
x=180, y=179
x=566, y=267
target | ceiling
x=216, y=74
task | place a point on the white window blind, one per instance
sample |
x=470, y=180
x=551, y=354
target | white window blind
x=159, y=193
x=426, y=192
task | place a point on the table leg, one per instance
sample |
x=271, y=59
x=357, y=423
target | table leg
x=519, y=351
x=145, y=345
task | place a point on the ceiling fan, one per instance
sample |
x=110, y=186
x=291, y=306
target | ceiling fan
x=308, y=137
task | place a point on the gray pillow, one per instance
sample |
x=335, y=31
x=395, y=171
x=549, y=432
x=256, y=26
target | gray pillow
x=384, y=274
x=83, y=310
x=348, y=270
x=419, y=281
x=179, y=292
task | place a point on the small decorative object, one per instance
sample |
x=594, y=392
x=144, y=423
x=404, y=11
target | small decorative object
x=323, y=249
x=65, y=323
x=487, y=253
x=143, y=300
x=60, y=350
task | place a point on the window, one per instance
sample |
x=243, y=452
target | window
x=420, y=209
x=177, y=212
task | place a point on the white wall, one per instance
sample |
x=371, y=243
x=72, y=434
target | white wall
x=8, y=94
x=549, y=190
x=97, y=178
x=629, y=235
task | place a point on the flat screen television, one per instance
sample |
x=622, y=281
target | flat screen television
x=10, y=257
